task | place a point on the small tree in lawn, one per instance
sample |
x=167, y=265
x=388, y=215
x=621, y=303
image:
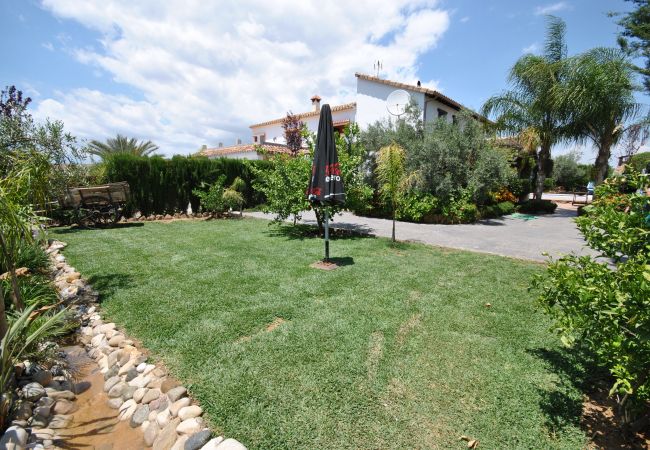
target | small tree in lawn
x=392, y=177
x=212, y=200
x=292, y=126
x=233, y=197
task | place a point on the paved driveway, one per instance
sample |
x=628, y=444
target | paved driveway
x=508, y=236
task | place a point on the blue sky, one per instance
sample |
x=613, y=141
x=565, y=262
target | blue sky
x=187, y=73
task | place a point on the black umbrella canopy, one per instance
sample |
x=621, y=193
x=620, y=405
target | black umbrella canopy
x=326, y=184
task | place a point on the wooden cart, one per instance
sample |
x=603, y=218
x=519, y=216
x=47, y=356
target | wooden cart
x=98, y=205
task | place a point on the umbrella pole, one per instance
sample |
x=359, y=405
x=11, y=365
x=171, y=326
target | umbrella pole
x=327, y=236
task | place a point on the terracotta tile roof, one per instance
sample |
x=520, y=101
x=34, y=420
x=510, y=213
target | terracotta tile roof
x=336, y=108
x=431, y=92
x=244, y=148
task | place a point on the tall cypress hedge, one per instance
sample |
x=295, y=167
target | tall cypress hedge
x=164, y=186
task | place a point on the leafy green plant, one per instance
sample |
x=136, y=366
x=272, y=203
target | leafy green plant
x=640, y=161
x=212, y=199
x=535, y=206
x=30, y=255
x=417, y=206
x=21, y=339
x=35, y=290
x=609, y=308
x=393, y=179
x=500, y=209
x=460, y=209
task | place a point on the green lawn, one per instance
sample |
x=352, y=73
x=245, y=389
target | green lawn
x=394, y=350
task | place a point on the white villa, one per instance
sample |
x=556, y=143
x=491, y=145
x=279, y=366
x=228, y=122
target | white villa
x=370, y=106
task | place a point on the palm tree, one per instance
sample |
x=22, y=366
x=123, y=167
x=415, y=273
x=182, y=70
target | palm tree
x=599, y=100
x=531, y=105
x=121, y=144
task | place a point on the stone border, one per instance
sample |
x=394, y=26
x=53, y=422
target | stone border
x=143, y=393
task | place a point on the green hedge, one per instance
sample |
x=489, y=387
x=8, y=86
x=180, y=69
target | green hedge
x=162, y=186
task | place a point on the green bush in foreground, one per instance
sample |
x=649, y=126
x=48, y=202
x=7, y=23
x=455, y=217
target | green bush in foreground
x=538, y=207
x=608, y=308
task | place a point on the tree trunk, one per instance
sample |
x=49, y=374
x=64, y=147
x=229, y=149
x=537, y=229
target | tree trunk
x=542, y=162
x=4, y=326
x=393, y=224
x=18, y=302
x=602, y=161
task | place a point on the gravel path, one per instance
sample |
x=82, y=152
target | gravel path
x=511, y=236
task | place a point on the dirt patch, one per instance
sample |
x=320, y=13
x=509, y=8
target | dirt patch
x=278, y=321
x=412, y=323
x=375, y=351
x=94, y=424
x=603, y=426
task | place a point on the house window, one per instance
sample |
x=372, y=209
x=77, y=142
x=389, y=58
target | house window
x=262, y=138
x=442, y=113
x=255, y=139
x=454, y=119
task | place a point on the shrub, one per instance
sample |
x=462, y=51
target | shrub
x=211, y=200
x=460, y=210
x=568, y=172
x=640, y=161
x=608, y=308
x=537, y=207
x=30, y=255
x=416, y=206
x=498, y=210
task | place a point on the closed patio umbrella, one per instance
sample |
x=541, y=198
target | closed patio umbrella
x=326, y=184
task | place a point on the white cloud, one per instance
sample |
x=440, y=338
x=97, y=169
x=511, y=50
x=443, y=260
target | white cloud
x=206, y=71
x=532, y=48
x=551, y=8
x=464, y=19
x=48, y=46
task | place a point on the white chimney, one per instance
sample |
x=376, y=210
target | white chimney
x=315, y=101
x=220, y=144
x=238, y=141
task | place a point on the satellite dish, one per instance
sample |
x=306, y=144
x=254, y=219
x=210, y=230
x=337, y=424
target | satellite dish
x=397, y=102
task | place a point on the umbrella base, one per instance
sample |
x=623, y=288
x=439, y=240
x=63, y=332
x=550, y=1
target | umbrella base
x=324, y=265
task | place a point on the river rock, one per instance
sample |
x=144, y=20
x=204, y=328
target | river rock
x=163, y=418
x=189, y=412
x=139, y=393
x=117, y=389
x=231, y=444
x=43, y=377
x=63, y=406
x=127, y=409
x=141, y=367
x=176, y=393
x=150, y=432
x=98, y=340
x=212, y=443
x=56, y=395
x=180, y=443
x=45, y=401
x=14, y=435
x=128, y=392
x=60, y=421
x=43, y=411
x=126, y=367
x=111, y=382
x=160, y=403
x=151, y=395
x=178, y=405
x=140, y=381
x=167, y=436
x=168, y=384
x=39, y=422
x=139, y=416
x=33, y=391
x=131, y=374
x=197, y=440
x=190, y=426
x=115, y=403
x=116, y=340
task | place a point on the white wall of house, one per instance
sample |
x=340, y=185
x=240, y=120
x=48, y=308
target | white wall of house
x=239, y=155
x=275, y=133
x=371, y=103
